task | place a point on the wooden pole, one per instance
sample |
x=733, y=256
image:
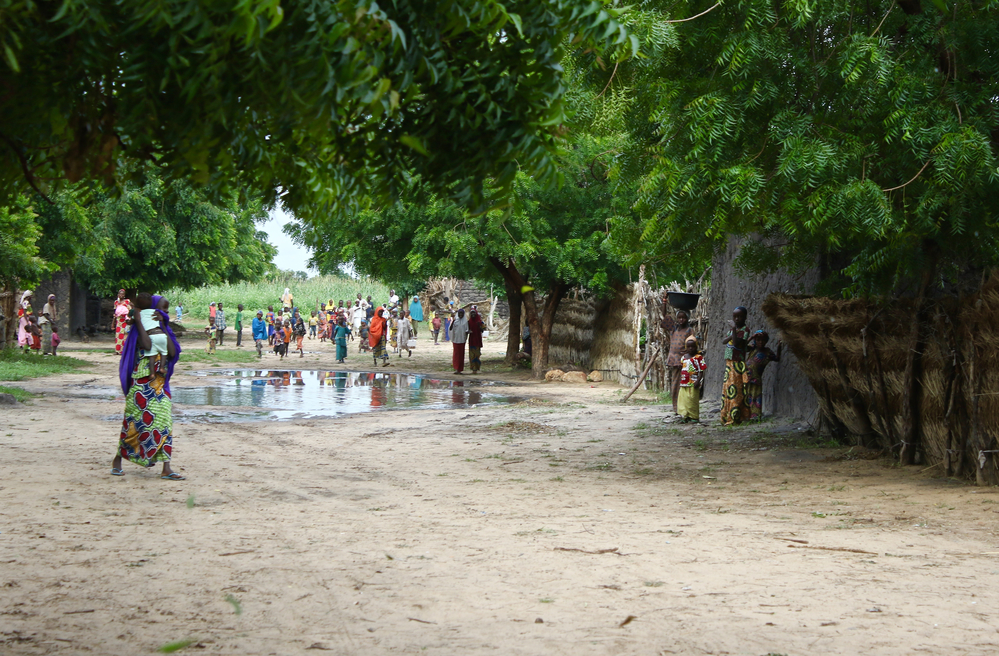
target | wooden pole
x=641, y=379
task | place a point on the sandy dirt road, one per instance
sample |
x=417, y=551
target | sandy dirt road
x=565, y=524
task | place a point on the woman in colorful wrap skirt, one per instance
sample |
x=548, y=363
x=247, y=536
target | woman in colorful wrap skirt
x=735, y=410
x=148, y=358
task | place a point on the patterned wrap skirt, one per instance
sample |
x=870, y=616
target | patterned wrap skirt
x=474, y=358
x=734, y=409
x=120, y=331
x=379, y=350
x=147, y=430
x=754, y=399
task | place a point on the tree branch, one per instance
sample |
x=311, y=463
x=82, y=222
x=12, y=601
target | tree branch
x=28, y=175
x=684, y=20
x=910, y=181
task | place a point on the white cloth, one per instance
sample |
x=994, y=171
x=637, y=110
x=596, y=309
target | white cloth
x=459, y=330
x=393, y=299
x=49, y=310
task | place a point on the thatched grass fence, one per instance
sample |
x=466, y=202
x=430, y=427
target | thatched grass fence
x=926, y=389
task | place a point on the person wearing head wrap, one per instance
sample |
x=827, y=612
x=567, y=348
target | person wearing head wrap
x=692, y=368
x=475, y=328
x=378, y=336
x=47, y=322
x=288, y=299
x=122, y=306
x=677, y=330
x=459, y=335
x=756, y=361
x=148, y=358
x=23, y=312
x=415, y=313
x=734, y=409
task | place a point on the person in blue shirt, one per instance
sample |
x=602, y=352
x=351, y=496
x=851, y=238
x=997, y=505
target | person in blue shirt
x=179, y=309
x=259, y=332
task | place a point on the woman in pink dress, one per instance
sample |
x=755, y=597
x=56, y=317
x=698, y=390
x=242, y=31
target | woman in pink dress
x=121, y=307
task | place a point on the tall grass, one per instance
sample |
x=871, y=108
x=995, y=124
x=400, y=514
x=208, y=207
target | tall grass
x=258, y=295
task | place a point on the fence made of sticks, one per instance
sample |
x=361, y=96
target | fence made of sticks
x=918, y=379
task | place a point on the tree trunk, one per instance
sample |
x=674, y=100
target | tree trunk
x=513, y=283
x=540, y=322
x=541, y=334
x=516, y=301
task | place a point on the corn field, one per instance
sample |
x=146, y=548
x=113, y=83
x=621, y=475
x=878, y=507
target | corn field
x=258, y=295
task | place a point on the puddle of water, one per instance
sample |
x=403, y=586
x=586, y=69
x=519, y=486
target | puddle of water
x=305, y=393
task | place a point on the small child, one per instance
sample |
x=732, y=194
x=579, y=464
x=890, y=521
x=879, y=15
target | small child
x=299, y=332
x=436, y=325
x=288, y=332
x=692, y=368
x=35, y=333
x=313, y=325
x=279, y=341
x=179, y=309
x=364, y=347
x=55, y=339
x=756, y=361
x=210, y=335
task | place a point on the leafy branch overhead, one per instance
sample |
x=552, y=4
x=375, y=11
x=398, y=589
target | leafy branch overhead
x=864, y=132
x=325, y=103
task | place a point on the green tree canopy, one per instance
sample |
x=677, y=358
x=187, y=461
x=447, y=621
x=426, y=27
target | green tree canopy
x=155, y=237
x=863, y=130
x=549, y=239
x=323, y=103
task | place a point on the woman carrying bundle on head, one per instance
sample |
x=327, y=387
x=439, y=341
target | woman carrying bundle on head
x=148, y=358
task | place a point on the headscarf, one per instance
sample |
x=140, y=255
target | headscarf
x=416, y=309
x=475, y=326
x=377, y=328
x=128, y=351
x=27, y=293
x=690, y=339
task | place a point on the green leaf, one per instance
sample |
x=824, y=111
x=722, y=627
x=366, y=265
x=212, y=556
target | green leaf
x=11, y=59
x=171, y=647
x=414, y=143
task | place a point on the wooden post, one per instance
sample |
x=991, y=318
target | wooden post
x=641, y=379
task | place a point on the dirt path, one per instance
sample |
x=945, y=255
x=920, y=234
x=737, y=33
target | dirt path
x=455, y=532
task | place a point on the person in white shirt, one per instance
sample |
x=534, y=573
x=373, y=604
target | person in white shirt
x=46, y=321
x=393, y=298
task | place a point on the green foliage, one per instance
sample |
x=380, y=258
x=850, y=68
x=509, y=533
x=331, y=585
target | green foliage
x=21, y=265
x=15, y=365
x=552, y=234
x=322, y=102
x=866, y=131
x=153, y=236
x=258, y=295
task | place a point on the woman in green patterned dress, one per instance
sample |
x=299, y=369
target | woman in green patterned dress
x=148, y=358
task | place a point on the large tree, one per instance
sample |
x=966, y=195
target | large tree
x=547, y=241
x=863, y=130
x=158, y=236
x=322, y=103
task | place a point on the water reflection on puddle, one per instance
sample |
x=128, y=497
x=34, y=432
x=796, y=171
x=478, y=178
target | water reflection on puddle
x=287, y=394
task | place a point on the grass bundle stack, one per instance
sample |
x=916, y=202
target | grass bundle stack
x=895, y=382
x=613, y=350
x=572, y=332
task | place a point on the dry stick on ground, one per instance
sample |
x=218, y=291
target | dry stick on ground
x=641, y=379
x=860, y=551
x=612, y=550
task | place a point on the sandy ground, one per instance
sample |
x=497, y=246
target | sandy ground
x=567, y=524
